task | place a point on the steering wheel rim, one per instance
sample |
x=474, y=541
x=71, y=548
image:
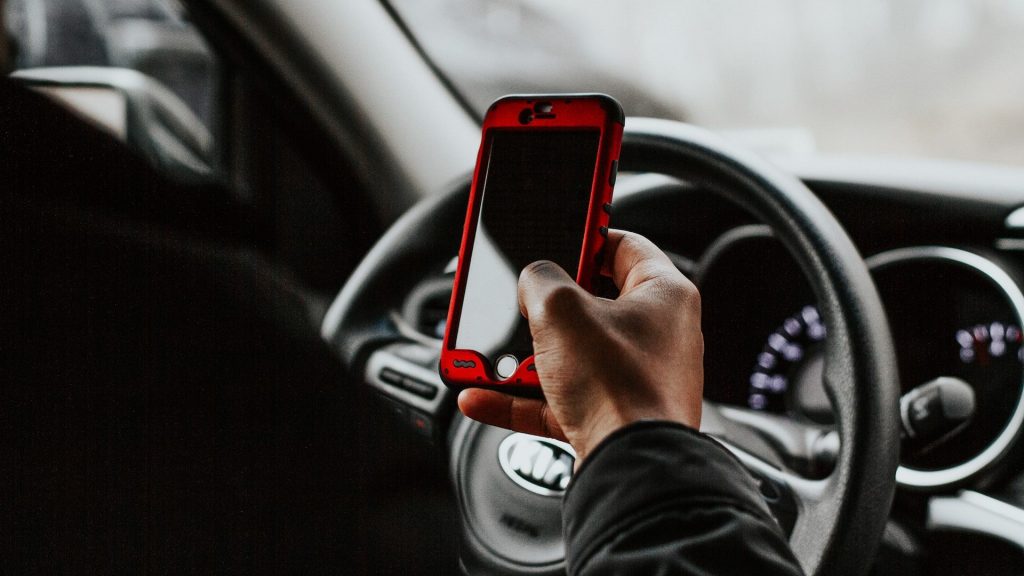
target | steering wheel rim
x=840, y=519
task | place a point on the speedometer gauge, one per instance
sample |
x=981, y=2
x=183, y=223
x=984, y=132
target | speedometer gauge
x=784, y=359
x=952, y=314
x=983, y=344
x=957, y=314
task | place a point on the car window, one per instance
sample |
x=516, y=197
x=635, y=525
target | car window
x=75, y=50
x=910, y=77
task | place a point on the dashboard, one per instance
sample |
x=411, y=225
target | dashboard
x=944, y=251
x=944, y=244
x=953, y=313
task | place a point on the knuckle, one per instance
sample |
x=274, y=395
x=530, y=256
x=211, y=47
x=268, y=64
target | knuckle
x=631, y=240
x=634, y=245
x=564, y=300
x=542, y=421
x=679, y=290
x=692, y=296
x=673, y=288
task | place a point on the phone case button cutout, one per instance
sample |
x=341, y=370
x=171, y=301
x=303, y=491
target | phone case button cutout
x=614, y=173
x=505, y=366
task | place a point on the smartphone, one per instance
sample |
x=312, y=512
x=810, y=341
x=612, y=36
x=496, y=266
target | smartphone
x=542, y=190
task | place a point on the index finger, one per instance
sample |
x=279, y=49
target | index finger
x=632, y=260
x=527, y=415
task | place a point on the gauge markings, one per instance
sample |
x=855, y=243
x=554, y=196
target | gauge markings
x=783, y=351
x=982, y=343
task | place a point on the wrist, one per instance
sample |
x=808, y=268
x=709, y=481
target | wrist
x=599, y=429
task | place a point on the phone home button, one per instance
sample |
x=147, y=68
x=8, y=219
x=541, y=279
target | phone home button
x=505, y=366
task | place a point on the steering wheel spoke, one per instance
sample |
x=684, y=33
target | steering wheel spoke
x=768, y=446
x=789, y=496
x=808, y=449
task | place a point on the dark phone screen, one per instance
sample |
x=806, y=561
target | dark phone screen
x=536, y=189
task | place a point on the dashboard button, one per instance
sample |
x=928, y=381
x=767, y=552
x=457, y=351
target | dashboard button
x=422, y=423
x=395, y=407
x=389, y=376
x=421, y=389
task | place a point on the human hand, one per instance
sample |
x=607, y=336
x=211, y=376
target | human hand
x=604, y=364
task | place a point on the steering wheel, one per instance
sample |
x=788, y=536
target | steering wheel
x=512, y=526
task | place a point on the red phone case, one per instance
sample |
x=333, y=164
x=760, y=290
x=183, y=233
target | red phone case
x=461, y=368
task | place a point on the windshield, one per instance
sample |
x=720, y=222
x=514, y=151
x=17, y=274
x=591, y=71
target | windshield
x=935, y=78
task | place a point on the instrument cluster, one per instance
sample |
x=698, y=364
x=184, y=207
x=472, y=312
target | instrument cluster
x=953, y=314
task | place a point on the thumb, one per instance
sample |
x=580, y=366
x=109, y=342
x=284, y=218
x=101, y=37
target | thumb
x=545, y=289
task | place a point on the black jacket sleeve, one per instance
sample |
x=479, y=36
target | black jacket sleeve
x=660, y=498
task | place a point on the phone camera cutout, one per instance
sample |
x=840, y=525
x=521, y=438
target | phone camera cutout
x=543, y=111
x=526, y=116
x=505, y=366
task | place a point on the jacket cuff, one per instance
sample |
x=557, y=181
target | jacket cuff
x=646, y=466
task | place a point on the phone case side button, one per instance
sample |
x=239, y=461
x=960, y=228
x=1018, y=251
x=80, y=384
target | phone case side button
x=614, y=173
x=608, y=208
x=604, y=231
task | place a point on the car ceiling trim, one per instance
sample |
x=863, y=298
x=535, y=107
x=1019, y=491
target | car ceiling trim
x=1004, y=442
x=971, y=511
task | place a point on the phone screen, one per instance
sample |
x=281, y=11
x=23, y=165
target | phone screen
x=535, y=193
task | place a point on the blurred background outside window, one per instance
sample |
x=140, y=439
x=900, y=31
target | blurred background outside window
x=937, y=78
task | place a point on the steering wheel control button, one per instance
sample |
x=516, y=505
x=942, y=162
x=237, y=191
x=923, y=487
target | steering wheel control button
x=422, y=423
x=463, y=363
x=389, y=376
x=421, y=389
x=505, y=366
x=395, y=407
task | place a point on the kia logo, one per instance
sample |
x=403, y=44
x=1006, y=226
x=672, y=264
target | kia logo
x=540, y=465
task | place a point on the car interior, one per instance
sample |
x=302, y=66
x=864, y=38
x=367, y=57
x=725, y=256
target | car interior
x=238, y=194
